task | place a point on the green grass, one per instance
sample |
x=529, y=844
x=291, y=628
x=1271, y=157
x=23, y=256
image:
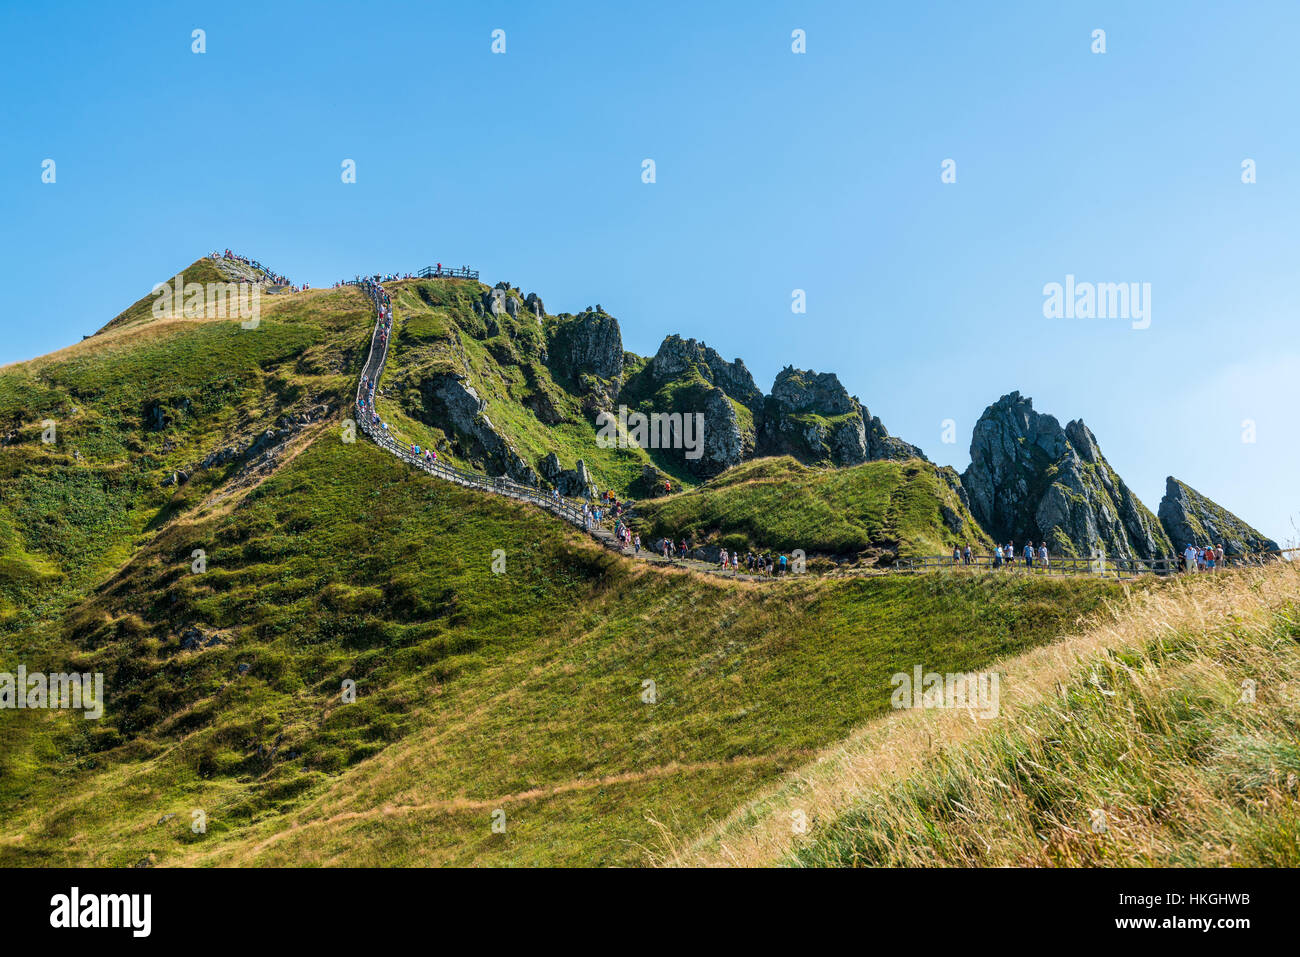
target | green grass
x=76, y=509
x=883, y=508
x=1153, y=754
x=521, y=691
x=477, y=687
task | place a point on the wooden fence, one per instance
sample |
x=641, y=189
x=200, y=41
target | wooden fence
x=1097, y=565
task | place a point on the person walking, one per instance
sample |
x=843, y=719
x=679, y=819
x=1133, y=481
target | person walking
x=1042, y=556
x=1189, y=558
x=1029, y=555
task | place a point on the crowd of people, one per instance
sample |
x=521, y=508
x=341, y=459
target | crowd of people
x=1201, y=558
x=274, y=278
x=366, y=394
x=771, y=564
x=377, y=278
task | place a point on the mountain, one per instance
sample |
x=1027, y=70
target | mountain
x=1188, y=517
x=327, y=561
x=491, y=380
x=1031, y=479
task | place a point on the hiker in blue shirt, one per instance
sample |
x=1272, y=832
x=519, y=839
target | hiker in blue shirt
x=1029, y=554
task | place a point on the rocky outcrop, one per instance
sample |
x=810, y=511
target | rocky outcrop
x=677, y=357
x=575, y=482
x=724, y=441
x=1189, y=518
x=534, y=302
x=1029, y=478
x=590, y=342
x=798, y=390
x=882, y=445
x=455, y=402
x=263, y=446
x=811, y=416
x=493, y=301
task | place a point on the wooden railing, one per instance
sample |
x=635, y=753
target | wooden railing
x=1097, y=565
x=446, y=272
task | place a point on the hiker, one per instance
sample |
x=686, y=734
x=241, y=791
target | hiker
x=1189, y=558
x=997, y=557
x=969, y=559
x=1042, y=555
x=723, y=556
x=636, y=544
x=956, y=554
x=1029, y=555
x=1218, y=556
x=1009, y=554
x=781, y=563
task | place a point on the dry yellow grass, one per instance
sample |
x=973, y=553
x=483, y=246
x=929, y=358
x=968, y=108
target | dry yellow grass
x=886, y=752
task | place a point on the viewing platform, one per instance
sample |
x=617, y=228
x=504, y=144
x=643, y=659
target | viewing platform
x=447, y=272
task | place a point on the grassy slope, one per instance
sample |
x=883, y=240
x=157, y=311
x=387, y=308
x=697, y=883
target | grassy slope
x=1133, y=743
x=78, y=508
x=141, y=311
x=519, y=691
x=476, y=691
x=778, y=503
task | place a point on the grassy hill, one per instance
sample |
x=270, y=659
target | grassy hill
x=1163, y=735
x=326, y=562
x=474, y=691
x=874, y=510
x=520, y=691
x=133, y=405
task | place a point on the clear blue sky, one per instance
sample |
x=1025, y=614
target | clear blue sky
x=775, y=171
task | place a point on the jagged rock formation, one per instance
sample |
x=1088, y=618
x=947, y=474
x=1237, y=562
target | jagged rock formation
x=812, y=416
x=1188, y=517
x=455, y=402
x=589, y=342
x=572, y=482
x=571, y=367
x=678, y=357
x=1029, y=478
x=882, y=445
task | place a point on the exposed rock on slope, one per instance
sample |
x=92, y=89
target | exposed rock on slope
x=812, y=416
x=588, y=342
x=461, y=407
x=1029, y=478
x=1189, y=517
x=678, y=358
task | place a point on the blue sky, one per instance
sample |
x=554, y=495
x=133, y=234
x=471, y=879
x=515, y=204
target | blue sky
x=775, y=172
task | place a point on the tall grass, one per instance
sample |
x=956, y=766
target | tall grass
x=1136, y=743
